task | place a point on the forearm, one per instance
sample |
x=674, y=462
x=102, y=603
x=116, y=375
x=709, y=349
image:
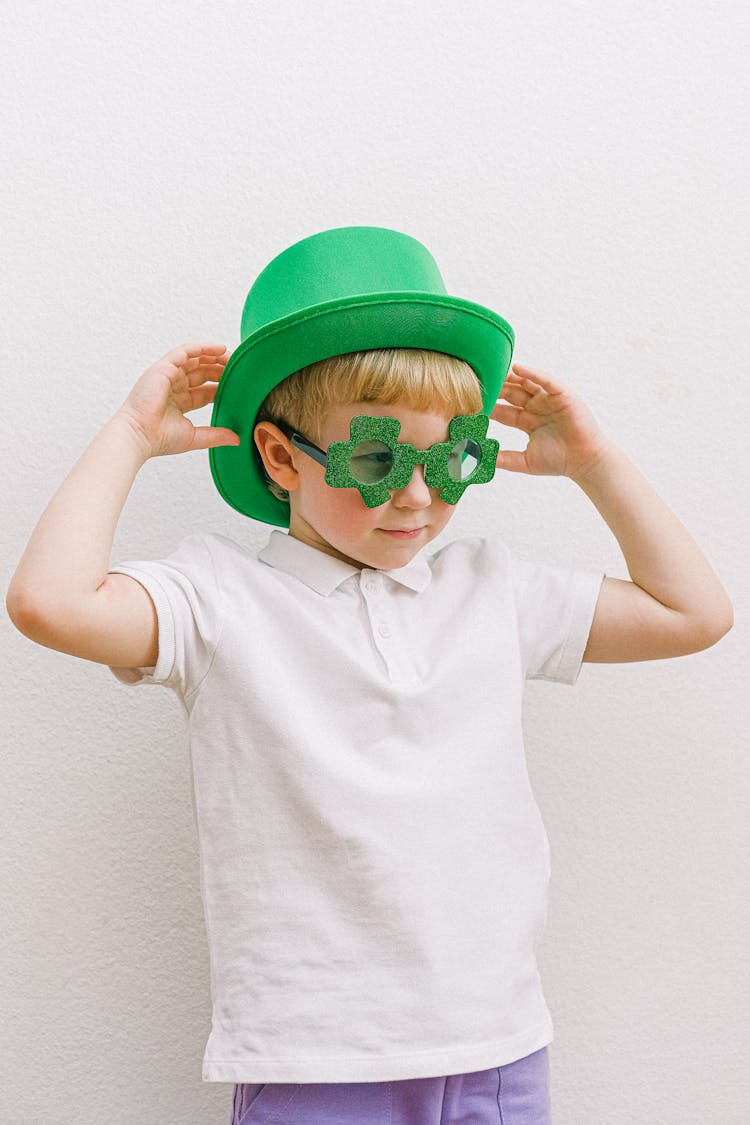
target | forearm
x=661, y=555
x=67, y=556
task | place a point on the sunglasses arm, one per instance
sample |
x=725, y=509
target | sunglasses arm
x=304, y=444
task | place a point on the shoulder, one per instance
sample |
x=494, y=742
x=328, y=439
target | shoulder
x=473, y=567
x=471, y=555
x=222, y=550
x=487, y=561
x=205, y=561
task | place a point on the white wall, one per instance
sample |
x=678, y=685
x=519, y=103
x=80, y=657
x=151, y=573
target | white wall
x=583, y=169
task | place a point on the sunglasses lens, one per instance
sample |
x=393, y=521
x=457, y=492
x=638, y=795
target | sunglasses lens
x=370, y=461
x=464, y=459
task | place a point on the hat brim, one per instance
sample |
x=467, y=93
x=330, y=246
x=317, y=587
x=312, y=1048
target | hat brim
x=439, y=323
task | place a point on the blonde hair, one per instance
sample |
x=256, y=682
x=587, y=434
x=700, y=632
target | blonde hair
x=416, y=378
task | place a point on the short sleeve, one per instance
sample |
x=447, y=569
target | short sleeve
x=189, y=608
x=555, y=607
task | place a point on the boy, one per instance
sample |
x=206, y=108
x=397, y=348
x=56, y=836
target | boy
x=374, y=866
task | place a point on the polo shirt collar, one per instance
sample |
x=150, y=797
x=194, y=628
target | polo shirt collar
x=324, y=573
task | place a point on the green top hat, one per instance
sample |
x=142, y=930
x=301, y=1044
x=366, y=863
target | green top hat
x=343, y=290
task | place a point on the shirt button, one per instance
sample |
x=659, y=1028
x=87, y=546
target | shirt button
x=370, y=587
x=384, y=631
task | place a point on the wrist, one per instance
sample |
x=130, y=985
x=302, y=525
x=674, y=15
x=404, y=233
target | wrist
x=124, y=424
x=605, y=459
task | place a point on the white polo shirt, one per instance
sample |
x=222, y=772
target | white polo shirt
x=374, y=867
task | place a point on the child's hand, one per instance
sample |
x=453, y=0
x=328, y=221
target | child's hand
x=186, y=378
x=564, y=436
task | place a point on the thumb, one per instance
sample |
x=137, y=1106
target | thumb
x=513, y=460
x=206, y=437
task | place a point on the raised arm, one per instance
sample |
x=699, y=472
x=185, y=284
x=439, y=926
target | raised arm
x=61, y=594
x=674, y=603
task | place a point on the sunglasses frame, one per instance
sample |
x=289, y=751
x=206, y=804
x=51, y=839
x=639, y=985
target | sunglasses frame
x=365, y=427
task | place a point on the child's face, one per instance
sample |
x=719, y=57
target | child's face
x=337, y=520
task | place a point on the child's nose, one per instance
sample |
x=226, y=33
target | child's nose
x=416, y=491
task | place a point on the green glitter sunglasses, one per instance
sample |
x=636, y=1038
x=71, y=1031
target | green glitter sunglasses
x=374, y=462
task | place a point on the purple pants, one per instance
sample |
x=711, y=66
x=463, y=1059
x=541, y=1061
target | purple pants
x=515, y=1094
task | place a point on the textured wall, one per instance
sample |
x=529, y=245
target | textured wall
x=583, y=169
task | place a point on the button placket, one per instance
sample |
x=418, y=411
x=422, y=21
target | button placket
x=381, y=627
x=397, y=664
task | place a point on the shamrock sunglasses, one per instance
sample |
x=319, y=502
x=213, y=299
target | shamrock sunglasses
x=374, y=462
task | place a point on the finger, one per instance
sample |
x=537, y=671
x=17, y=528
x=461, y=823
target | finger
x=200, y=396
x=202, y=348
x=203, y=373
x=515, y=393
x=542, y=379
x=220, y=360
x=183, y=353
x=513, y=460
x=205, y=363
x=207, y=437
x=507, y=414
x=517, y=417
x=523, y=385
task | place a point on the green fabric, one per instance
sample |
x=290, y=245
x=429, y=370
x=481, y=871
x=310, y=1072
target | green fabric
x=342, y=290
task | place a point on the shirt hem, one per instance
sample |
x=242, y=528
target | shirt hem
x=420, y=1064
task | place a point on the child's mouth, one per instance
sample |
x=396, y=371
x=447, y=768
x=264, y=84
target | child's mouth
x=402, y=534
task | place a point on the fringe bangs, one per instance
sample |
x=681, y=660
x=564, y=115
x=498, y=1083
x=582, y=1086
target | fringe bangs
x=417, y=378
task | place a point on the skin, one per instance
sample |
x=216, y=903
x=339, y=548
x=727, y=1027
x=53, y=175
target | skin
x=337, y=520
x=673, y=604
x=62, y=594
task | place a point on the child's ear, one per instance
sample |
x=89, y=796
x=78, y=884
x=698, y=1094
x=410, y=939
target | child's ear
x=278, y=455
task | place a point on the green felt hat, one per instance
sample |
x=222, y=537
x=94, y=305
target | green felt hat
x=344, y=290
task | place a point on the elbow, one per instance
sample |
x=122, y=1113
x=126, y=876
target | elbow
x=729, y=618
x=724, y=619
x=728, y=623
x=14, y=605
x=19, y=610
x=710, y=630
x=25, y=614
